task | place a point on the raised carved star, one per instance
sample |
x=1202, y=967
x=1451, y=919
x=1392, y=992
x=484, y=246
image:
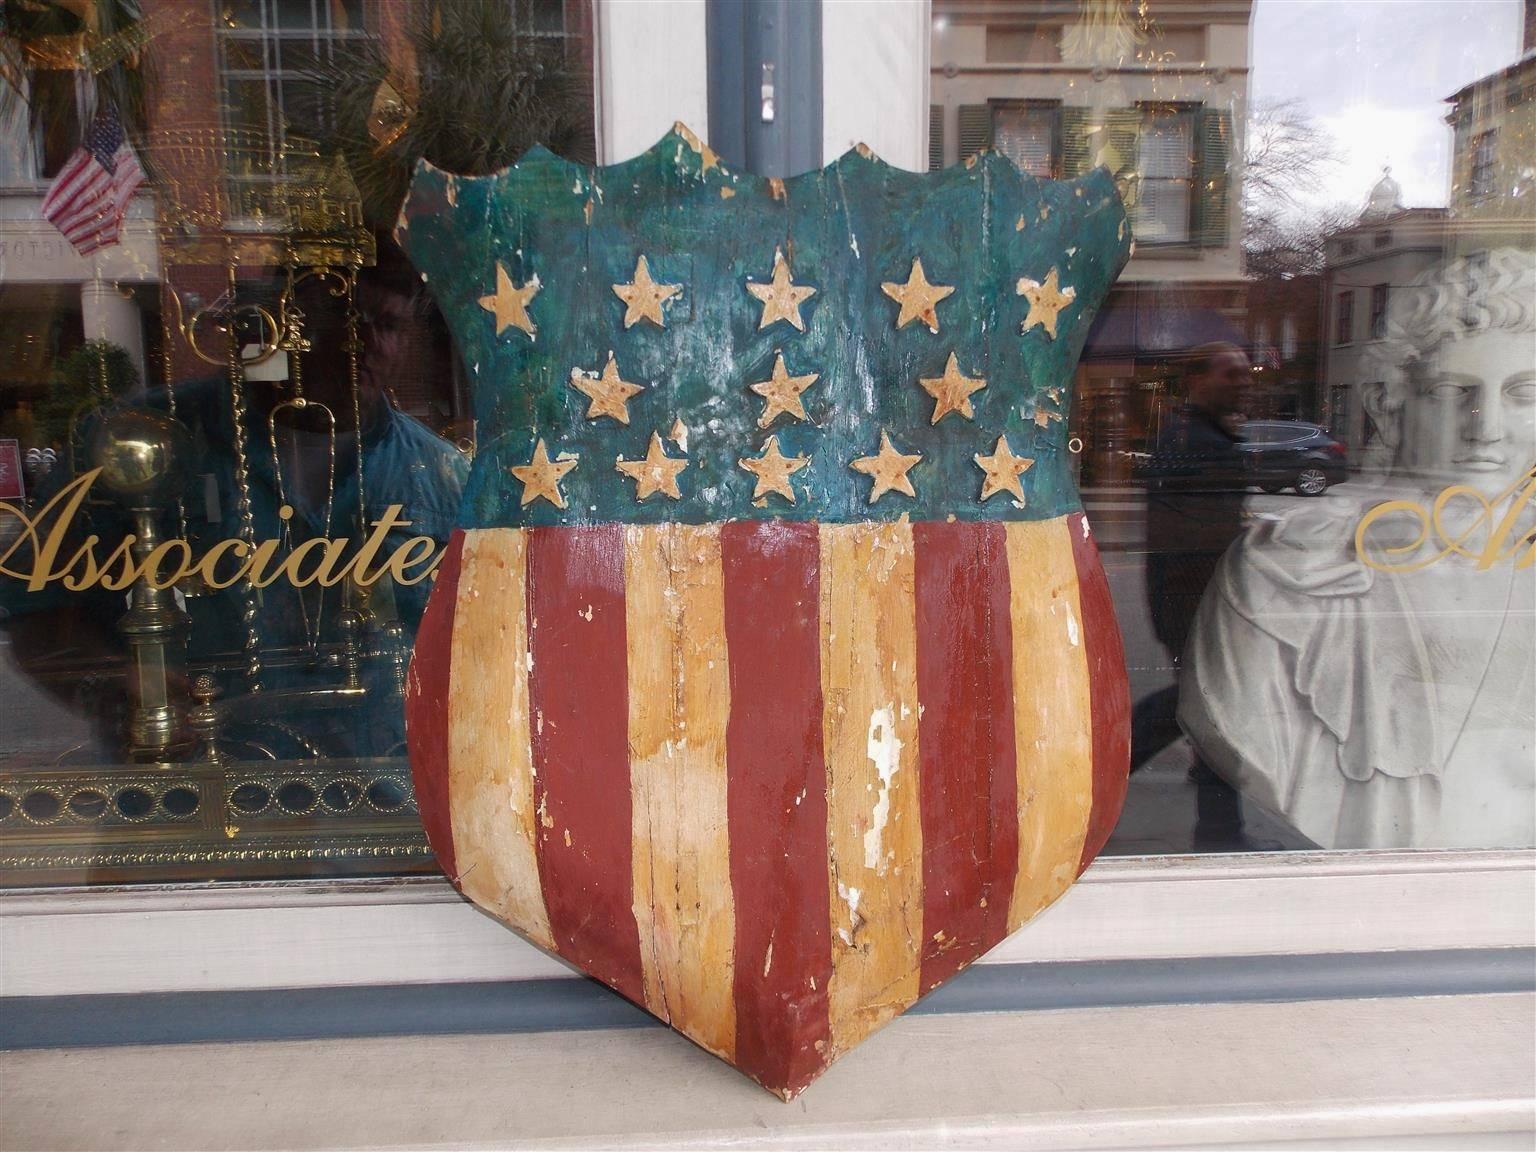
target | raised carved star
x=781, y=296
x=1045, y=301
x=610, y=393
x=656, y=473
x=773, y=470
x=509, y=303
x=951, y=392
x=918, y=298
x=541, y=476
x=1003, y=470
x=889, y=469
x=782, y=391
x=643, y=297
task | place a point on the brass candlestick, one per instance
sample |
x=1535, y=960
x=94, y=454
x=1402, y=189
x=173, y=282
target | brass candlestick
x=142, y=455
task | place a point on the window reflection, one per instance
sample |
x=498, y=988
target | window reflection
x=233, y=441
x=1309, y=330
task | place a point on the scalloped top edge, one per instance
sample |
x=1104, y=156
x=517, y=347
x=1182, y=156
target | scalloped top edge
x=681, y=135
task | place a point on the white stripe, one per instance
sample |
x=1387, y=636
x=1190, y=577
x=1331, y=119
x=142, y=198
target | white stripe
x=69, y=180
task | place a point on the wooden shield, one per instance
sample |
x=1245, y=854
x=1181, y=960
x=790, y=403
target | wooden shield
x=772, y=676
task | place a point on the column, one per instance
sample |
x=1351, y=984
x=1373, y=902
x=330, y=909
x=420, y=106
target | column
x=108, y=314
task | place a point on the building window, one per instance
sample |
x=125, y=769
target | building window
x=1288, y=337
x=270, y=55
x=1026, y=134
x=1338, y=412
x=1483, y=148
x=1165, y=171
x=1380, y=294
x=1348, y=247
x=1381, y=239
x=1344, y=317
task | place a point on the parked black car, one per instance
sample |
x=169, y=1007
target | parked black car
x=1291, y=454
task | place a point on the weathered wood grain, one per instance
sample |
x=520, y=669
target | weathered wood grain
x=427, y=685
x=1051, y=712
x=777, y=800
x=874, y=831
x=679, y=704
x=966, y=729
x=579, y=703
x=490, y=765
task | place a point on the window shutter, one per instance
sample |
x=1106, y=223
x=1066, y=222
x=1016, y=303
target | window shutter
x=1120, y=139
x=1212, y=208
x=975, y=129
x=935, y=137
x=1074, y=142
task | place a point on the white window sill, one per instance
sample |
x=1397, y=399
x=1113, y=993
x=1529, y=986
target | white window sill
x=223, y=937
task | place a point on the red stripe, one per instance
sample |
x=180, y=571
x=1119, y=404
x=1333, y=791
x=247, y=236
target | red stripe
x=969, y=784
x=1108, y=689
x=65, y=183
x=777, y=800
x=426, y=706
x=578, y=693
x=90, y=184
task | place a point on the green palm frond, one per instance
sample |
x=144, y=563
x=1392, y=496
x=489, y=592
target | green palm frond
x=480, y=94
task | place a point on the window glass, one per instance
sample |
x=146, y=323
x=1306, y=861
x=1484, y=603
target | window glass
x=1164, y=171
x=1027, y=136
x=213, y=359
x=1344, y=325
x=1303, y=421
x=1306, y=415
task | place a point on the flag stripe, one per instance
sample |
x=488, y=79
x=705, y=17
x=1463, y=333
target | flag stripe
x=777, y=800
x=1052, y=711
x=1111, y=693
x=679, y=702
x=578, y=695
x=79, y=194
x=875, y=835
x=427, y=717
x=490, y=767
x=969, y=778
x=81, y=168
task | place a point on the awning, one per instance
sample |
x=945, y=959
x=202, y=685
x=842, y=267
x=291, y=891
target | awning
x=1155, y=323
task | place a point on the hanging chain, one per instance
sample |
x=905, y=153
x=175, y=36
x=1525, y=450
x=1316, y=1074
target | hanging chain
x=248, y=591
x=354, y=352
x=168, y=378
x=294, y=344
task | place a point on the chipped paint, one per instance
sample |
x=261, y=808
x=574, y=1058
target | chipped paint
x=885, y=752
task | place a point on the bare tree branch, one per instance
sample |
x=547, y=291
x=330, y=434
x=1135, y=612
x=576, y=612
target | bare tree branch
x=1287, y=156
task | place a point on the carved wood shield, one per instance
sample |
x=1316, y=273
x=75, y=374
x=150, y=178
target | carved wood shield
x=771, y=677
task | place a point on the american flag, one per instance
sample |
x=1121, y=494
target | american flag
x=91, y=193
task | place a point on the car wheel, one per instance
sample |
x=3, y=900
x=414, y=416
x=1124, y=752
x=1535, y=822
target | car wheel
x=1311, y=482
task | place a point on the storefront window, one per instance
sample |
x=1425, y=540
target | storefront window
x=213, y=348
x=1303, y=422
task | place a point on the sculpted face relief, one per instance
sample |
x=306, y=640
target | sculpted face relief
x=43, y=538
x=1472, y=413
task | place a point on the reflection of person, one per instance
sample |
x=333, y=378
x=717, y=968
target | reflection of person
x=1395, y=708
x=1195, y=490
x=1194, y=511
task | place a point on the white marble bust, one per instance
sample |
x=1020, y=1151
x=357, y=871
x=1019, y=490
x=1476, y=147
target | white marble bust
x=1382, y=693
